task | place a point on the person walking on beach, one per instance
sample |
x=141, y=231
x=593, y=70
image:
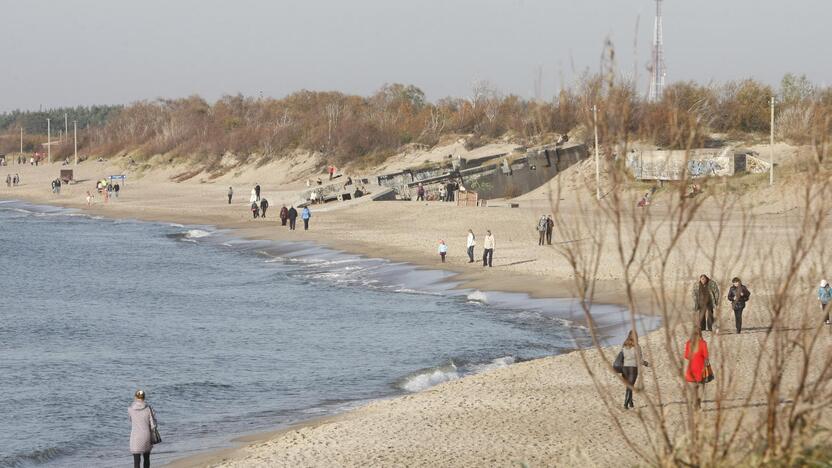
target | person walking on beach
x=89, y=198
x=8, y=180
x=420, y=193
x=443, y=250
x=470, y=244
x=264, y=205
x=143, y=429
x=696, y=353
x=292, y=214
x=541, y=229
x=284, y=215
x=488, y=249
x=632, y=360
x=255, y=210
x=738, y=295
x=230, y=194
x=254, y=196
x=257, y=191
x=705, y=299
x=305, y=215
x=550, y=227
x=825, y=297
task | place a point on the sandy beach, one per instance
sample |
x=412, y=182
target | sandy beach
x=546, y=412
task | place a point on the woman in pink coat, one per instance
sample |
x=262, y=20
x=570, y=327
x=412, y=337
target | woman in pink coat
x=144, y=422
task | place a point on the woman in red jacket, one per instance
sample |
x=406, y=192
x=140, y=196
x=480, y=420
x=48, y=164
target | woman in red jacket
x=696, y=352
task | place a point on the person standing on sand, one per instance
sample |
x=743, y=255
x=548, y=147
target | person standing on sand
x=550, y=227
x=541, y=229
x=305, y=215
x=8, y=180
x=443, y=250
x=255, y=210
x=230, y=194
x=738, y=295
x=292, y=214
x=825, y=297
x=264, y=205
x=143, y=424
x=488, y=249
x=472, y=242
x=254, y=196
x=632, y=359
x=89, y=198
x=284, y=215
x=257, y=191
x=696, y=353
x=705, y=299
x=420, y=193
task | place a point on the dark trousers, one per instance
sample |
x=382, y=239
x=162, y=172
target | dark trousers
x=262, y=212
x=442, y=254
x=542, y=238
x=738, y=319
x=306, y=224
x=706, y=319
x=471, y=254
x=825, y=308
x=549, y=237
x=630, y=375
x=292, y=222
x=255, y=213
x=229, y=199
x=282, y=221
x=487, y=256
x=137, y=458
x=420, y=197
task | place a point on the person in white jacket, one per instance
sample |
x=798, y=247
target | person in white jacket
x=488, y=249
x=472, y=242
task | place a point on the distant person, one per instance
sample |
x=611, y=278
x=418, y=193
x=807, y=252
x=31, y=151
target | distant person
x=257, y=191
x=254, y=197
x=705, y=299
x=488, y=249
x=550, y=228
x=142, y=431
x=420, y=193
x=632, y=360
x=541, y=229
x=264, y=205
x=442, y=193
x=696, y=353
x=292, y=214
x=255, y=210
x=470, y=244
x=8, y=180
x=89, y=198
x=284, y=215
x=825, y=297
x=16, y=180
x=331, y=172
x=738, y=295
x=443, y=250
x=230, y=194
x=306, y=214
x=116, y=189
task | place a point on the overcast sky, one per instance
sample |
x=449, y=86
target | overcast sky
x=69, y=52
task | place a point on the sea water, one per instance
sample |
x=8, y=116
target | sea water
x=226, y=336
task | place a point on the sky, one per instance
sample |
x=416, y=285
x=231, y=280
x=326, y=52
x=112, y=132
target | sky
x=83, y=52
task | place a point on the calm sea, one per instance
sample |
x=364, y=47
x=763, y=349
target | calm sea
x=226, y=336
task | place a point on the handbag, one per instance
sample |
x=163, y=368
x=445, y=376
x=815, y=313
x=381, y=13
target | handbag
x=618, y=365
x=707, y=373
x=155, y=438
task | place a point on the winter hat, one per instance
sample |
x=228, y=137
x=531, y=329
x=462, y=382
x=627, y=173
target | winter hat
x=823, y=283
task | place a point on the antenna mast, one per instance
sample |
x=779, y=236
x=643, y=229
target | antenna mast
x=658, y=68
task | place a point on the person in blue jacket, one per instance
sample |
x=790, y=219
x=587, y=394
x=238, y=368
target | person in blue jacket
x=305, y=215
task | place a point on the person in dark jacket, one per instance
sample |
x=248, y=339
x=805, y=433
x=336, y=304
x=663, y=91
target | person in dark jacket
x=264, y=205
x=550, y=227
x=738, y=295
x=284, y=215
x=255, y=210
x=230, y=194
x=292, y=214
x=705, y=294
x=257, y=191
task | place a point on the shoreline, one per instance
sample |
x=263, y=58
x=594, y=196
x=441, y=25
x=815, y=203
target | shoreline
x=496, y=282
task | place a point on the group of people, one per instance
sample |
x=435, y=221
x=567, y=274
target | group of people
x=545, y=227
x=56, y=186
x=12, y=180
x=470, y=245
x=705, y=296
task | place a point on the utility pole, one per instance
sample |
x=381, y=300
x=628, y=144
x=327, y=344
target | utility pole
x=75, y=127
x=597, y=158
x=21, y=141
x=771, y=147
x=66, y=126
x=49, y=141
